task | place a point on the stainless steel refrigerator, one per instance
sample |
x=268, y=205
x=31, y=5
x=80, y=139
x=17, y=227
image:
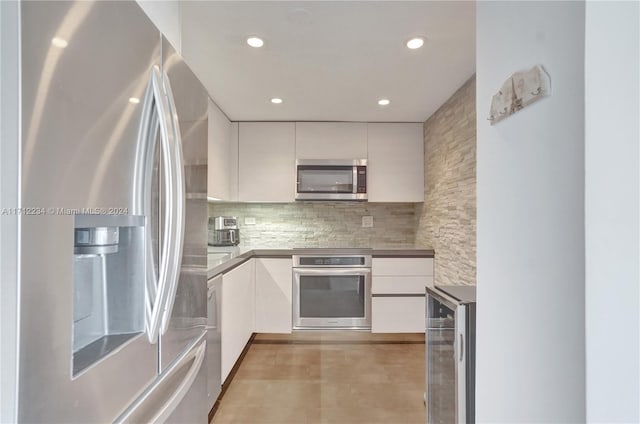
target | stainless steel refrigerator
x=450, y=354
x=112, y=234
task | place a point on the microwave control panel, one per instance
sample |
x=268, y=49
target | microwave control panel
x=362, y=179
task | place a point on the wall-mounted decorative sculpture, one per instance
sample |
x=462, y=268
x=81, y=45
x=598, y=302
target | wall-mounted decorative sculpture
x=519, y=91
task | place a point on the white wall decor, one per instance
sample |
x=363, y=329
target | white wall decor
x=519, y=91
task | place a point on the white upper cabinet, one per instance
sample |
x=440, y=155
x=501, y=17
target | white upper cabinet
x=395, y=167
x=222, y=174
x=261, y=157
x=331, y=140
x=267, y=161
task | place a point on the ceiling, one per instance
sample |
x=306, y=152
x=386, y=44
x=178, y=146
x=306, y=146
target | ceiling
x=329, y=60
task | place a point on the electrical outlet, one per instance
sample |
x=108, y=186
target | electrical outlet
x=367, y=221
x=249, y=221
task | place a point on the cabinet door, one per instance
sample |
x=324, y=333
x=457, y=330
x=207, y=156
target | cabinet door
x=273, y=295
x=398, y=315
x=266, y=169
x=213, y=358
x=401, y=266
x=395, y=170
x=222, y=156
x=331, y=140
x=237, y=313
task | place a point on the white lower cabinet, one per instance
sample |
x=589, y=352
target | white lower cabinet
x=237, y=313
x=273, y=295
x=398, y=289
x=398, y=314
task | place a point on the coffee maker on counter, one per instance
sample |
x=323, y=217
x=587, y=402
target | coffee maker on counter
x=225, y=231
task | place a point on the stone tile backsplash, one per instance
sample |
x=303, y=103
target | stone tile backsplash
x=447, y=219
x=322, y=224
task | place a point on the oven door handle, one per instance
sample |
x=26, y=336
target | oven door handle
x=332, y=271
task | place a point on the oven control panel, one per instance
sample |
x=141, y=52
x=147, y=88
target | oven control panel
x=363, y=261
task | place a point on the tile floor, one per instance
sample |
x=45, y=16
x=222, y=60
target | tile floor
x=328, y=377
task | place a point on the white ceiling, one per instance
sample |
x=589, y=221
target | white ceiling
x=329, y=60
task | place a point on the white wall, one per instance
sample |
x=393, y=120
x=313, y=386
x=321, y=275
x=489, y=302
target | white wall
x=530, y=225
x=612, y=111
x=165, y=14
x=9, y=177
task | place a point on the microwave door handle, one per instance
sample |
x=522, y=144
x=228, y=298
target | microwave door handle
x=354, y=185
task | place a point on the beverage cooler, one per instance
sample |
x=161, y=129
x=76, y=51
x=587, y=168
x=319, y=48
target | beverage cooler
x=450, y=354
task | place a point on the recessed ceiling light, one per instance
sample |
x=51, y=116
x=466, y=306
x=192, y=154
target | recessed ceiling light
x=134, y=100
x=276, y=100
x=384, y=102
x=415, y=43
x=59, y=42
x=255, y=42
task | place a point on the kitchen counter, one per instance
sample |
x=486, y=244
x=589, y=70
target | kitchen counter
x=223, y=259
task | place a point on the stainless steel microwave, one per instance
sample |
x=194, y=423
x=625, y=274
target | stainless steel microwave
x=331, y=179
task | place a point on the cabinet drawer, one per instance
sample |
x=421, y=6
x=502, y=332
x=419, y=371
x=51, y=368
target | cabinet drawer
x=400, y=285
x=398, y=315
x=402, y=266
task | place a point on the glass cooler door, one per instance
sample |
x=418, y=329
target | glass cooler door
x=441, y=362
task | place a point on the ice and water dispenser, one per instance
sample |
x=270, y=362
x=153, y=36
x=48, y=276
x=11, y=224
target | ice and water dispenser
x=108, y=285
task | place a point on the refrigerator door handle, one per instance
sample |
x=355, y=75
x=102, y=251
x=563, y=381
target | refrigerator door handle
x=196, y=355
x=177, y=209
x=155, y=405
x=156, y=114
x=461, y=347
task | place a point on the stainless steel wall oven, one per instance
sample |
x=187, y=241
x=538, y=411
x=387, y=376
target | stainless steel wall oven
x=332, y=291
